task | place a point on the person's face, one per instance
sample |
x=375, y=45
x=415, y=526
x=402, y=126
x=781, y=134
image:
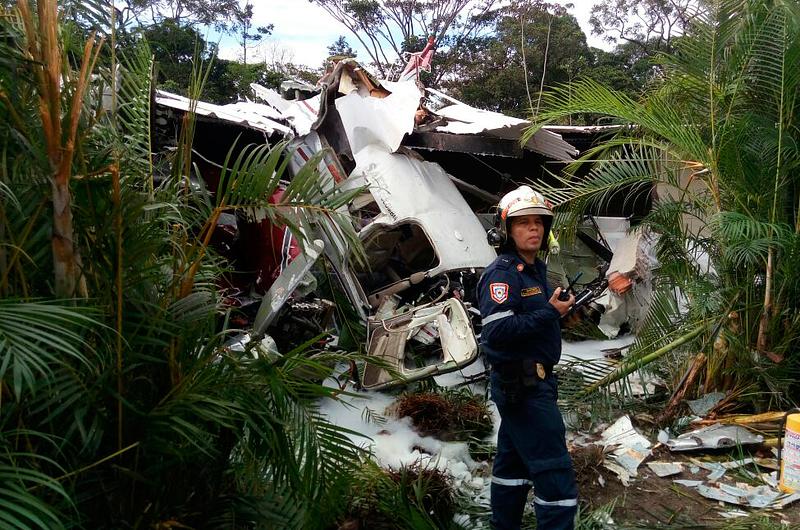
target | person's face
x=527, y=232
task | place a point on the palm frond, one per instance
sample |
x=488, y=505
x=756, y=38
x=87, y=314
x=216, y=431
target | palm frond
x=35, y=337
x=29, y=496
x=134, y=111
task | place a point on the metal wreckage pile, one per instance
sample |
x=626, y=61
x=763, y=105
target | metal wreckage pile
x=431, y=168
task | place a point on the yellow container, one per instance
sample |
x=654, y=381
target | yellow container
x=790, y=463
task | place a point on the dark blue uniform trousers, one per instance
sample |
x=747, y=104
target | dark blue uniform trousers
x=532, y=451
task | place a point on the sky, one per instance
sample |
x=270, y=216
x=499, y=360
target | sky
x=303, y=31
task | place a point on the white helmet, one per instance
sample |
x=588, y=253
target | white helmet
x=523, y=201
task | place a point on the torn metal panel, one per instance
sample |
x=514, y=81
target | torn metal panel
x=301, y=114
x=630, y=448
x=464, y=119
x=252, y=115
x=461, y=143
x=665, y=469
x=713, y=437
x=285, y=285
x=444, y=337
x=379, y=121
x=630, y=280
x=407, y=189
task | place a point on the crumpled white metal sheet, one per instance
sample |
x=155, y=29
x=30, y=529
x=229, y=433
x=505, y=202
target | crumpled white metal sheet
x=254, y=115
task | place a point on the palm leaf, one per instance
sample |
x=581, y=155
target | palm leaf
x=35, y=337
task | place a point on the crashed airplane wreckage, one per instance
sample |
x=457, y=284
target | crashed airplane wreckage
x=423, y=175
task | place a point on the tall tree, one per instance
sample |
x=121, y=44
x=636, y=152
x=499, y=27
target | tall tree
x=387, y=29
x=221, y=14
x=649, y=24
x=243, y=25
x=341, y=48
x=530, y=45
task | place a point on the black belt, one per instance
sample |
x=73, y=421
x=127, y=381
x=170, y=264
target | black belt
x=523, y=368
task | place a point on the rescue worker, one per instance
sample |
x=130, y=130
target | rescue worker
x=521, y=337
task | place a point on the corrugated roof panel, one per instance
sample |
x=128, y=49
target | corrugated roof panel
x=253, y=115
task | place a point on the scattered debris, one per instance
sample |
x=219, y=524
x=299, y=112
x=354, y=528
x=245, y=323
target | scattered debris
x=688, y=483
x=733, y=514
x=713, y=437
x=665, y=469
x=702, y=406
x=743, y=494
x=629, y=449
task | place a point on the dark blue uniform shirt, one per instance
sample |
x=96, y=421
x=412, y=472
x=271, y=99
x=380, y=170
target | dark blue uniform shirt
x=518, y=321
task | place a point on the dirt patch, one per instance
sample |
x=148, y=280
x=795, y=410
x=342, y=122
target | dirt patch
x=654, y=502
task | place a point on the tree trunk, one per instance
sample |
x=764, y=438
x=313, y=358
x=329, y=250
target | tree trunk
x=679, y=395
x=64, y=259
x=763, y=325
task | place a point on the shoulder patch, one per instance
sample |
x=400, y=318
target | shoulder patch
x=530, y=291
x=498, y=292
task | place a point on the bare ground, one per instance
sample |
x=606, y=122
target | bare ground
x=653, y=502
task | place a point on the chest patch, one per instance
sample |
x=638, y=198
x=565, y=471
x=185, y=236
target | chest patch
x=498, y=292
x=531, y=291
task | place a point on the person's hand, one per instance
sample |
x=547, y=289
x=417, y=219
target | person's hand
x=572, y=320
x=561, y=306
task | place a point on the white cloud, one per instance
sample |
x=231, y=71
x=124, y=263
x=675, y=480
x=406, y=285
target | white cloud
x=299, y=26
